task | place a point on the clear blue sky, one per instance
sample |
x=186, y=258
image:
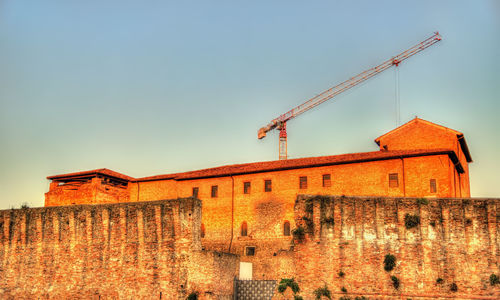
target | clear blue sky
x=154, y=87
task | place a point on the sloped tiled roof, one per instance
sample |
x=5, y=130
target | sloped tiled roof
x=298, y=163
x=103, y=171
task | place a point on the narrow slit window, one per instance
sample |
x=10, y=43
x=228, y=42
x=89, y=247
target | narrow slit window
x=393, y=180
x=327, y=181
x=303, y=182
x=433, y=185
x=244, y=229
x=246, y=187
x=202, y=230
x=286, y=228
x=195, y=192
x=215, y=190
x=268, y=185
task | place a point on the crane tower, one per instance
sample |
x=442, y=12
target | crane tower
x=280, y=122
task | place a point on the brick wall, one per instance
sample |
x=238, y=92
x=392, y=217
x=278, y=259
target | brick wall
x=457, y=240
x=147, y=250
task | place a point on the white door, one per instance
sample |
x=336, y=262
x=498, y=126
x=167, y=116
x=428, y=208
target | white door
x=245, y=271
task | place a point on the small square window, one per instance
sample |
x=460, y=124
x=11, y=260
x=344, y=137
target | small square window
x=250, y=251
x=433, y=185
x=303, y=182
x=195, y=192
x=268, y=185
x=215, y=189
x=327, y=180
x=393, y=180
x=246, y=187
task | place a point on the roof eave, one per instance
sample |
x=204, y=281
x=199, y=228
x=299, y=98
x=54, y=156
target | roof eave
x=465, y=148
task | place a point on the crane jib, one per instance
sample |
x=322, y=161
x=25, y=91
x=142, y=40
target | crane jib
x=280, y=121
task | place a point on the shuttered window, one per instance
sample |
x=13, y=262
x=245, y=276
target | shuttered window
x=433, y=185
x=303, y=182
x=393, y=180
x=268, y=185
x=246, y=187
x=327, y=180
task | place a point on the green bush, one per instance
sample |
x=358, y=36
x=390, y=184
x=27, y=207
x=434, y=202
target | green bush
x=422, y=201
x=299, y=233
x=395, y=282
x=389, y=262
x=341, y=274
x=344, y=298
x=360, y=298
x=453, y=287
x=439, y=280
x=411, y=221
x=288, y=282
x=192, y=296
x=494, y=279
x=322, y=291
x=343, y=289
x=297, y=297
x=329, y=221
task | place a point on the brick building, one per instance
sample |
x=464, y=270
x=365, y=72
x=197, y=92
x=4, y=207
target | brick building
x=248, y=209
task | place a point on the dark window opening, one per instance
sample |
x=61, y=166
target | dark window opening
x=246, y=187
x=195, y=192
x=250, y=251
x=303, y=182
x=393, y=180
x=286, y=228
x=268, y=185
x=327, y=180
x=214, y=191
x=202, y=230
x=433, y=186
x=244, y=229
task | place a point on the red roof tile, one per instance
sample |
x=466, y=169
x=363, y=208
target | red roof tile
x=103, y=171
x=302, y=163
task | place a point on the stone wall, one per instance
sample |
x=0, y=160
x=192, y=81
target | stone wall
x=347, y=238
x=143, y=250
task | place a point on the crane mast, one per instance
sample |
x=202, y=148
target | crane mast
x=280, y=122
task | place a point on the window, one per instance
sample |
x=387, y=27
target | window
x=195, y=192
x=244, y=229
x=393, y=180
x=433, y=185
x=327, y=180
x=268, y=185
x=249, y=251
x=286, y=228
x=214, y=191
x=246, y=187
x=303, y=182
x=202, y=230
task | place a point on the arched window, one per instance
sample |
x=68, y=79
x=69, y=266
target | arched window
x=244, y=229
x=202, y=230
x=286, y=228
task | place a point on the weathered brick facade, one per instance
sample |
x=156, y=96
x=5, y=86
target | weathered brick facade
x=250, y=209
x=416, y=153
x=147, y=250
x=456, y=240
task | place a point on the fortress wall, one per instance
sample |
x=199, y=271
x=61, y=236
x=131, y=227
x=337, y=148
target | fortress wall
x=119, y=251
x=457, y=240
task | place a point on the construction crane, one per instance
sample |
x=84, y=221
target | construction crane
x=279, y=123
